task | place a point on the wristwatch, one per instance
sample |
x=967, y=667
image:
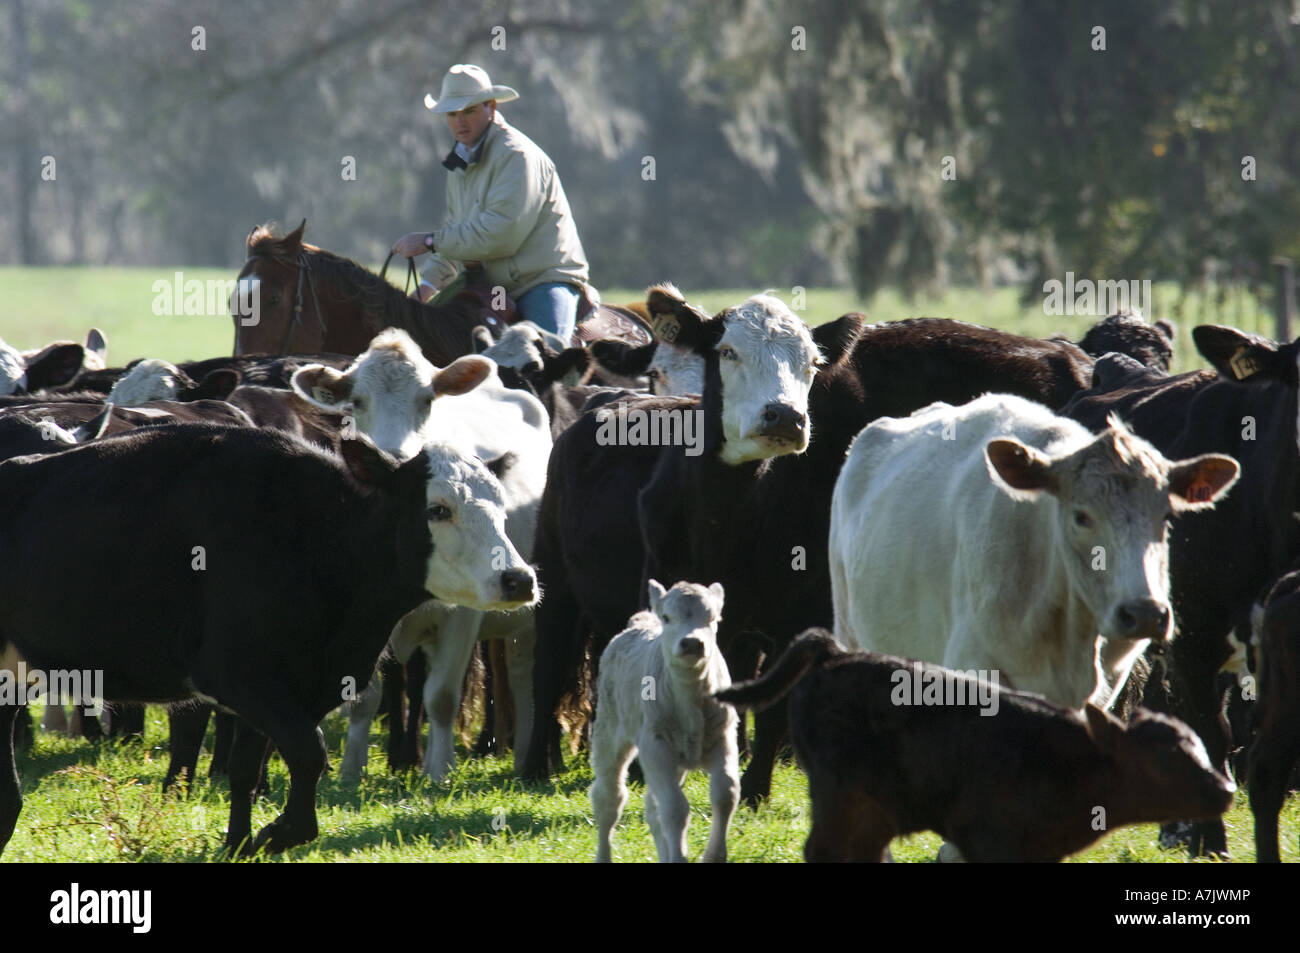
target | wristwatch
x=428, y=241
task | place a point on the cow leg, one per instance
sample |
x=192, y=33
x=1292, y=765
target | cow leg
x=519, y=666
x=11, y=794
x=769, y=730
x=356, y=749
x=301, y=745
x=24, y=732
x=608, y=787
x=487, y=736
x=187, y=725
x=1276, y=749
x=1197, y=702
x=417, y=673
x=846, y=827
x=672, y=812
x=223, y=738
x=560, y=630
x=245, y=770
x=55, y=720
x=390, y=676
x=449, y=656
x=392, y=682
x=724, y=794
x=128, y=722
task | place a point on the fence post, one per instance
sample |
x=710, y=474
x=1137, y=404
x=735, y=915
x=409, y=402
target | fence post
x=1284, y=299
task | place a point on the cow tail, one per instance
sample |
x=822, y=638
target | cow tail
x=814, y=647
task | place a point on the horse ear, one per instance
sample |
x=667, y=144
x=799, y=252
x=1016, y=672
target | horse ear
x=294, y=238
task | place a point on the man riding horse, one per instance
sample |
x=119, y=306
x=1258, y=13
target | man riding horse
x=506, y=210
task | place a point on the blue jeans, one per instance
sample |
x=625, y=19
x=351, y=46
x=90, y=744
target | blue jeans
x=553, y=306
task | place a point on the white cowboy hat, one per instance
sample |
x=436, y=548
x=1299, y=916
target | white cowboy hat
x=467, y=85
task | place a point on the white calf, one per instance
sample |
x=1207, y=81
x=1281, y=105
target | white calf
x=655, y=701
x=999, y=536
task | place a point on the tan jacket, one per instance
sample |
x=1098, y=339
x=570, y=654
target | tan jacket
x=508, y=210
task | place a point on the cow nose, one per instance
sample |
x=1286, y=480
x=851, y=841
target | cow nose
x=1144, y=619
x=691, y=647
x=517, y=585
x=782, y=420
x=532, y=367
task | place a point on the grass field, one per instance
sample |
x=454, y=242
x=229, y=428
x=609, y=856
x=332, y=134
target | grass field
x=46, y=304
x=102, y=802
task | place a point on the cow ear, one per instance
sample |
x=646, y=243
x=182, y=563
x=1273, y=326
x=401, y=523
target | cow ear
x=1167, y=328
x=1021, y=471
x=462, y=375
x=499, y=465
x=836, y=338
x=53, y=365
x=93, y=428
x=621, y=358
x=216, y=385
x=717, y=593
x=1198, y=483
x=1103, y=729
x=674, y=321
x=1236, y=355
x=657, y=593
x=322, y=386
x=482, y=339
x=369, y=465
x=97, y=344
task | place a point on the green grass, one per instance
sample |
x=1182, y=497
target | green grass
x=101, y=802
x=47, y=304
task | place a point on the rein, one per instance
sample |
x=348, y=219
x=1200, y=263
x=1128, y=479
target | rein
x=304, y=269
x=411, y=277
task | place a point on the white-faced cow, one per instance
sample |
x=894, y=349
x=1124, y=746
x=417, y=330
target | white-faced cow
x=30, y=371
x=997, y=536
x=402, y=402
x=1221, y=560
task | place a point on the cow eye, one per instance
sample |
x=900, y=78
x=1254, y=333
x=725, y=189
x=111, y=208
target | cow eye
x=439, y=512
x=728, y=352
x=1082, y=519
x=358, y=402
x=668, y=620
x=272, y=300
x=425, y=403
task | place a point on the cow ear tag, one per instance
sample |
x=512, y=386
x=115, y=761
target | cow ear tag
x=1243, y=364
x=665, y=327
x=1199, y=492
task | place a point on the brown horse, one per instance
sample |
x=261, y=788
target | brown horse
x=311, y=300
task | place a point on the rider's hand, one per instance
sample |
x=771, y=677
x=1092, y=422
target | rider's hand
x=410, y=245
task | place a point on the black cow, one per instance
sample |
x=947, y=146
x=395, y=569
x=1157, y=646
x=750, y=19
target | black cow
x=309, y=562
x=1277, y=744
x=1220, y=560
x=1151, y=345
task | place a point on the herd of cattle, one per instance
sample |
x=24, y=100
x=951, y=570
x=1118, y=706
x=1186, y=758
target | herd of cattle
x=1063, y=537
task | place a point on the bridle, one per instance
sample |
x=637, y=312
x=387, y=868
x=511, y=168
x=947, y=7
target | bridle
x=304, y=271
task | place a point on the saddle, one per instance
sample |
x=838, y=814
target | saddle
x=498, y=311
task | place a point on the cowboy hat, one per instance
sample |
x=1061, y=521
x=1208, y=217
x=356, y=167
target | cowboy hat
x=467, y=85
